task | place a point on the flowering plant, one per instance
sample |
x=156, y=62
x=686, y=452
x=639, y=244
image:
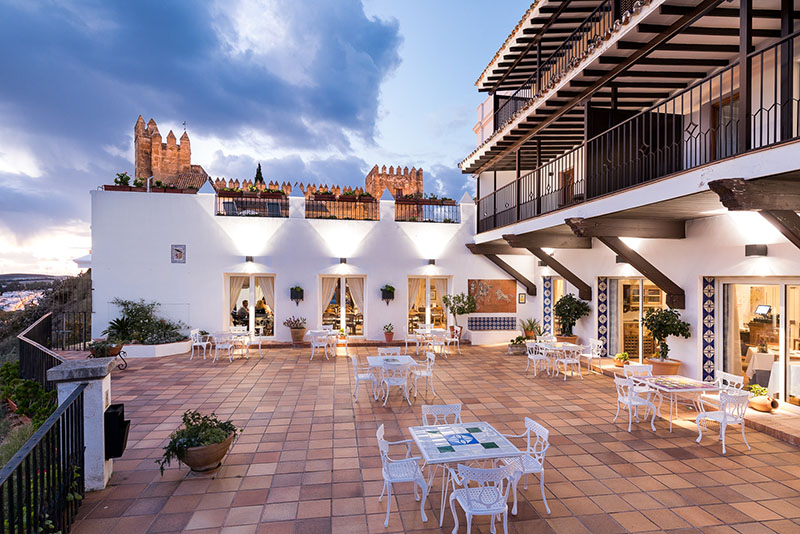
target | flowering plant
x=295, y=322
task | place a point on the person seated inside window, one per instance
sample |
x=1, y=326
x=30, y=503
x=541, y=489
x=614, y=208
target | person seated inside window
x=261, y=307
x=243, y=314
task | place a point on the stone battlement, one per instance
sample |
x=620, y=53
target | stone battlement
x=399, y=181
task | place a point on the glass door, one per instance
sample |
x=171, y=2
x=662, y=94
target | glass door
x=343, y=304
x=751, y=330
x=793, y=345
x=636, y=298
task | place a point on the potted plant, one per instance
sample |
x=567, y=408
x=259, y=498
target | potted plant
x=323, y=195
x=201, y=444
x=531, y=327
x=569, y=311
x=157, y=187
x=366, y=197
x=460, y=304
x=517, y=345
x=272, y=193
x=297, y=325
x=388, y=332
x=621, y=359
x=349, y=196
x=761, y=400
x=229, y=192
x=251, y=191
x=139, y=185
x=121, y=183
x=191, y=190
x=296, y=294
x=387, y=293
x=662, y=323
x=104, y=348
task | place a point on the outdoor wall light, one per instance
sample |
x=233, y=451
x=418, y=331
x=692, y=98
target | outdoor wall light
x=755, y=250
x=248, y=259
x=620, y=259
x=542, y=264
x=431, y=262
x=342, y=260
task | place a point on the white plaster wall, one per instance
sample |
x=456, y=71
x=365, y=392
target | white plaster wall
x=714, y=246
x=132, y=234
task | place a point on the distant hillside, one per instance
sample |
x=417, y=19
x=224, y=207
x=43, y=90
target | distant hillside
x=20, y=277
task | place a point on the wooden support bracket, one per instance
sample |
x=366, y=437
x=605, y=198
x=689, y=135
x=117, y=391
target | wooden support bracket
x=676, y=297
x=584, y=289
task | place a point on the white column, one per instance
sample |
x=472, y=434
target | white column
x=96, y=373
x=428, y=300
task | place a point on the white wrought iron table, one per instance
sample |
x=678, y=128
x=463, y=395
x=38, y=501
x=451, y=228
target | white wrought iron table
x=674, y=386
x=444, y=445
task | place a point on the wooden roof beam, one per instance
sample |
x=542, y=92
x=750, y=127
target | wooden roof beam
x=584, y=289
x=726, y=12
x=700, y=30
x=684, y=47
x=547, y=240
x=619, y=227
x=496, y=249
x=530, y=287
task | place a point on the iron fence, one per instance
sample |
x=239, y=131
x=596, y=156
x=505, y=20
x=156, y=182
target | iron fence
x=694, y=127
x=422, y=212
x=247, y=206
x=35, y=358
x=72, y=330
x=42, y=485
x=342, y=209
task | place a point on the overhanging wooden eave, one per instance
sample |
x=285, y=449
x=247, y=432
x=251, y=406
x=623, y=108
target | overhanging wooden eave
x=584, y=289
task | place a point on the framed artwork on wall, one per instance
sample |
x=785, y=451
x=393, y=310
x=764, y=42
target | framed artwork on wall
x=178, y=253
x=521, y=298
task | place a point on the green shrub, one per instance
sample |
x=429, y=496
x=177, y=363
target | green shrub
x=140, y=323
x=29, y=396
x=16, y=438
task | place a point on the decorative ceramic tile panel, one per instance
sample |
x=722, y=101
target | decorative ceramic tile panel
x=461, y=443
x=547, y=302
x=602, y=313
x=709, y=299
x=491, y=323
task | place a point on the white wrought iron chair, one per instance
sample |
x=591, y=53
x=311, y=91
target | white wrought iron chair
x=201, y=342
x=731, y=411
x=628, y=398
x=532, y=462
x=488, y=496
x=388, y=351
x=401, y=470
x=639, y=370
x=223, y=342
x=547, y=338
x=319, y=341
x=439, y=414
x=595, y=351
x=395, y=375
x=251, y=340
x=454, y=337
x=363, y=374
x=727, y=382
x=438, y=344
x=424, y=371
x=569, y=357
x=537, y=355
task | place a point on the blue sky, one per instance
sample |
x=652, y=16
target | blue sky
x=315, y=91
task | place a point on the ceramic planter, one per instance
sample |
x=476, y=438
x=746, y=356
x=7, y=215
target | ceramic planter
x=272, y=195
x=347, y=198
x=388, y=336
x=207, y=457
x=663, y=367
x=229, y=194
x=367, y=199
x=157, y=189
x=297, y=334
x=567, y=339
x=112, y=351
x=139, y=189
x=324, y=197
x=116, y=188
x=764, y=403
x=530, y=334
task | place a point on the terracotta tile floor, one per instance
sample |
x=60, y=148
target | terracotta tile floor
x=307, y=460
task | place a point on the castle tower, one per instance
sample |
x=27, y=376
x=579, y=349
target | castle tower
x=157, y=151
x=142, y=150
x=169, y=162
x=399, y=181
x=169, y=166
x=184, y=154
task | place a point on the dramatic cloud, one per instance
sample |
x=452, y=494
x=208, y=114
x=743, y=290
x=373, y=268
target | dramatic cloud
x=303, y=79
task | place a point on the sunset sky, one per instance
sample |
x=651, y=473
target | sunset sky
x=316, y=91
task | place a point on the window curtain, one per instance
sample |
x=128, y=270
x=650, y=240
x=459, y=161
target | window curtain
x=440, y=286
x=733, y=342
x=329, y=285
x=267, y=288
x=413, y=291
x=356, y=286
x=237, y=283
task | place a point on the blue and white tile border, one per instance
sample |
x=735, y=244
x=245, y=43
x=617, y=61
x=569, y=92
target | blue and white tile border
x=602, y=313
x=709, y=299
x=547, y=303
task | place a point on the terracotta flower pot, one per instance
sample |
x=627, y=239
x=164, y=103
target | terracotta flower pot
x=663, y=367
x=388, y=336
x=207, y=457
x=530, y=334
x=297, y=334
x=116, y=188
x=764, y=403
x=567, y=339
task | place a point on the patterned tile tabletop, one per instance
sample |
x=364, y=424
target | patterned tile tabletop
x=461, y=443
x=378, y=361
x=676, y=383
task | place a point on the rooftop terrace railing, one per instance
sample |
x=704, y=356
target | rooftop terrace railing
x=253, y=205
x=339, y=208
x=694, y=127
x=422, y=210
x=587, y=34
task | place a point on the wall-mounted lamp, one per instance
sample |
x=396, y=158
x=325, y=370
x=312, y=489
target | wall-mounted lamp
x=755, y=250
x=542, y=264
x=620, y=259
x=342, y=260
x=431, y=262
x=248, y=259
